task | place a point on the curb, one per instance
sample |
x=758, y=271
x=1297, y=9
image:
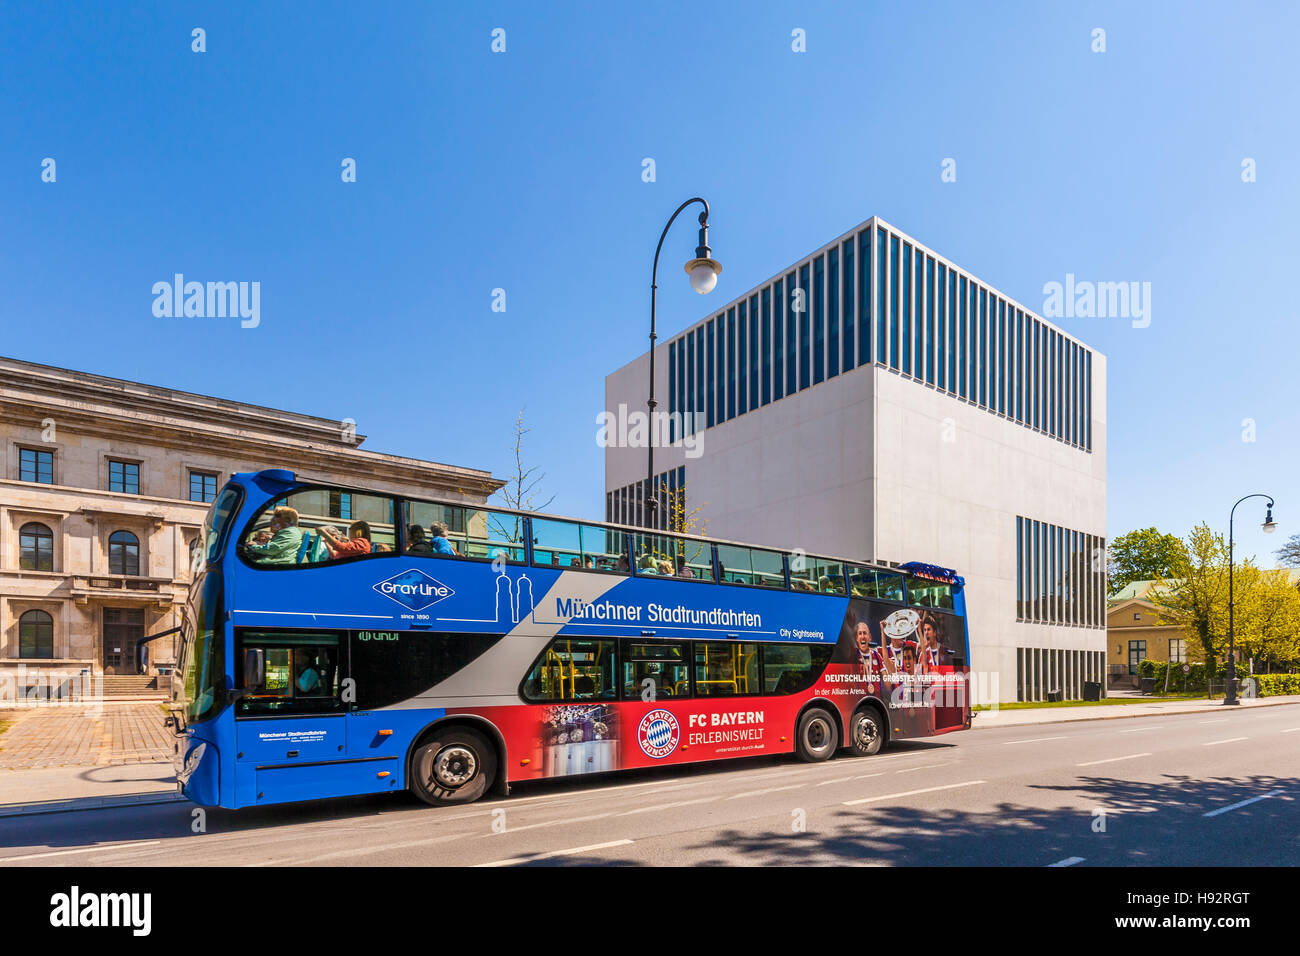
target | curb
x=1262, y=702
x=77, y=804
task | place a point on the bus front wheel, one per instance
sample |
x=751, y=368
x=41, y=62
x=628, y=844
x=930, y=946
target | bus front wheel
x=457, y=766
x=868, y=735
x=815, y=737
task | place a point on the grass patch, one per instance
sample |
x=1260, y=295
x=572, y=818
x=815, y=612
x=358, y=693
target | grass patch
x=1108, y=701
x=5, y=725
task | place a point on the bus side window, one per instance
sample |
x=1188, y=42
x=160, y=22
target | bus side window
x=573, y=669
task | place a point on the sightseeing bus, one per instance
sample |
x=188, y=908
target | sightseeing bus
x=339, y=642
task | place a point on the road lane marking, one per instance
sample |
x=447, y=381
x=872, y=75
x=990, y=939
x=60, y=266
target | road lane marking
x=1139, y=730
x=1068, y=861
x=1230, y=740
x=1241, y=803
x=1217, y=720
x=668, y=806
x=912, y=793
x=552, y=823
x=1093, y=763
x=1030, y=740
x=925, y=766
x=546, y=856
x=861, y=776
x=93, y=849
x=759, y=793
x=1291, y=730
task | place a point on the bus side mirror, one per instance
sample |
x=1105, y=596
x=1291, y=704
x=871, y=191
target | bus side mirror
x=254, y=667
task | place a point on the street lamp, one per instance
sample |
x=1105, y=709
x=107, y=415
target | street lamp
x=703, y=271
x=1269, y=525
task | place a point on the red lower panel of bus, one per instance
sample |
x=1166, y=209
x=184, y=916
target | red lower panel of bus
x=559, y=740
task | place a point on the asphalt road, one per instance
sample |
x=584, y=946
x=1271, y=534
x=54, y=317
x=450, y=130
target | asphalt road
x=1190, y=790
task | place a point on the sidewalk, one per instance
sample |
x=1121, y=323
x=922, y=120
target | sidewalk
x=24, y=792
x=988, y=719
x=97, y=734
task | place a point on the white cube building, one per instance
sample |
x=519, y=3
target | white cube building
x=877, y=402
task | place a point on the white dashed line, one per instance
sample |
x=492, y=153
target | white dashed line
x=1230, y=740
x=1068, y=861
x=912, y=793
x=1241, y=803
x=1093, y=763
x=93, y=849
x=546, y=856
x=1030, y=740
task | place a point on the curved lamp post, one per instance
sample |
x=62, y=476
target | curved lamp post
x=1230, y=688
x=704, y=271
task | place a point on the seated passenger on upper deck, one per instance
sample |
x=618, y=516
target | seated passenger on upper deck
x=416, y=540
x=279, y=543
x=358, y=541
x=439, y=540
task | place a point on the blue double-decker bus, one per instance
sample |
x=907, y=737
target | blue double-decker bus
x=339, y=641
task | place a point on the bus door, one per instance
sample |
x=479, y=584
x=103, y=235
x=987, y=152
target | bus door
x=290, y=726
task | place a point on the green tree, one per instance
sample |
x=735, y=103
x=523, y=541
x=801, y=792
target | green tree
x=1142, y=555
x=1266, y=609
x=1289, y=554
x=1194, y=592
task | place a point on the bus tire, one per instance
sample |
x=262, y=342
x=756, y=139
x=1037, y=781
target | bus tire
x=866, y=732
x=457, y=765
x=816, y=737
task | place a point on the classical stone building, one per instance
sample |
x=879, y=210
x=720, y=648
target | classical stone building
x=105, y=484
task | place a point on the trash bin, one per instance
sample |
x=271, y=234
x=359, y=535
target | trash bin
x=1054, y=696
x=1148, y=685
x=1091, y=690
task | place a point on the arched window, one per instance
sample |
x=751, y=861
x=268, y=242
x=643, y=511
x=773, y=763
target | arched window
x=36, y=634
x=36, y=545
x=123, y=553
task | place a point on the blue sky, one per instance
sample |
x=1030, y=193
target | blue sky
x=522, y=171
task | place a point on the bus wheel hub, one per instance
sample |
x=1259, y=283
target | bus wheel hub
x=454, y=766
x=866, y=731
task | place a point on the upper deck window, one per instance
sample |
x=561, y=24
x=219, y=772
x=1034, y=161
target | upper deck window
x=462, y=531
x=753, y=566
x=667, y=555
x=568, y=544
x=872, y=583
x=816, y=574
x=306, y=527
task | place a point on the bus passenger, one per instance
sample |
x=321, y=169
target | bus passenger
x=439, y=540
x=647, y=565
x=358, y=540
x=280, y=543
x=416, y=541
x=683, y=569
x=624, y=566
x=666, y=568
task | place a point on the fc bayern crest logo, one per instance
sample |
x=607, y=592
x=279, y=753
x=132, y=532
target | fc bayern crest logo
x=658, y=734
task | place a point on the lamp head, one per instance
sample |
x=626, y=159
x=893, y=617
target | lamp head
x=1269, y=524
x=704, y=269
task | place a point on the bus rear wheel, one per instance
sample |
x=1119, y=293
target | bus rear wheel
x=457, y=766
x=815, y=737
x=867, y=736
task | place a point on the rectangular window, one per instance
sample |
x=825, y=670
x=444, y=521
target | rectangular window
x=663, y=669
x=872, y=583
x=574, y=669
x=941, y=327
x=203, y=486
x=905, y=331
x=794, y=301
x=290, y=672
x=672, y=391
x=805, y=331
x=755, y=567
x=848, y=313
x=918, y=314
x=730, y=351
x=882, y=280
x=1177, y=650
x=833, y=313
x=819, y=321
x=1020, y=568
x=864, y=297
x=964, y=351
x=742, y=360
x=36, y=466
x=778, y=339
x=894, y=352
x=711, y=378
x=755, y=323
x=929, y=320
x=1088, y=400
x=765, y=347
x=817, y=574
x=726, y=669
x=1002, y=356
x=952, y=332
x=983, y=374
x=124, y=477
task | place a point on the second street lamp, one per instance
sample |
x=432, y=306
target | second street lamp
x=1230, y=682
x=704, y=271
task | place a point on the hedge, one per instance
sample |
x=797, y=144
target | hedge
x=1269, y=685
